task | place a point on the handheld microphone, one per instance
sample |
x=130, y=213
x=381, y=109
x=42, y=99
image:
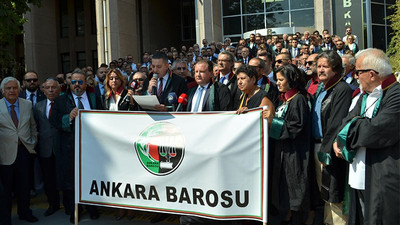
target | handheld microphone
x=154, y=91
x=172, y=98
x=132, y=86
x=182, y=100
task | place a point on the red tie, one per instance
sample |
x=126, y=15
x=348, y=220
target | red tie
x=51, y=108
x=14, y=116
x=160, y=88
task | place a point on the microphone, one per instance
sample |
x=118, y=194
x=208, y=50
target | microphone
x=154, y=91
x=172, y=98
x=182, y=100
x=132, y=86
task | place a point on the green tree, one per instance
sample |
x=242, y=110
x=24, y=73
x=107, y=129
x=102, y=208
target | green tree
x=11, y=25
x=394, y=46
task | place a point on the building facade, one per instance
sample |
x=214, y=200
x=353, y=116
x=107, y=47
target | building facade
x=64, y=34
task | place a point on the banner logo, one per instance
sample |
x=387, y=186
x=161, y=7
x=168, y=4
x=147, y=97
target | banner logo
x=160, y=148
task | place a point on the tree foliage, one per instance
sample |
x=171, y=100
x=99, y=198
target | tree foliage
x=11, y=25
x=394, y=46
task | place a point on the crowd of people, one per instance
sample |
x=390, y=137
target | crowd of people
x=333, y=117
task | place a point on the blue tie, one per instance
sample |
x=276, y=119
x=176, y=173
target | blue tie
x=222, y=80
x=31, y=98
x=199, y=94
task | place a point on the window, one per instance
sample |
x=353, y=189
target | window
x=188, y=20
x=80, y=59
x=240, y=16
x=79, y=18
x=65, y=63
x=381, y=30
x=64, y=28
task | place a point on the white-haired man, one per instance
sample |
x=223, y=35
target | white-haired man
x=18, y=138
x=369, y=139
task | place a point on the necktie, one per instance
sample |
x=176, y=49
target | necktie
x=160, y=87
x=51, y=109
x=80, y=105
x=31, y=99
x=14, y=115
x=200, y=93
x=222, y=80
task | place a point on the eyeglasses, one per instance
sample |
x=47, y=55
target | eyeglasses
x=366, y=70
x=280, y=60
x=80, y=82
x=256, y=67
x=138, y=79
x=310, y=62
x=223, y=60
x=31, y=80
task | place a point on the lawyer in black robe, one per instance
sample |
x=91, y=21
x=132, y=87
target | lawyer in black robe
x=291, y=129
x=380, y=136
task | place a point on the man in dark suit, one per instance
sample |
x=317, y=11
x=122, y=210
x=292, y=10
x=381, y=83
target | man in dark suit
x=100, y=77
x=210, y=55
x=294, y=50
x=226, y=61
x=31, y=89
x=263, y=82
x=166, y=83
x=63, y=115
x=245, y=56
x=32, y=92
x=208, y=96
x=18, y=138
x=340, y=47
x=47, y=144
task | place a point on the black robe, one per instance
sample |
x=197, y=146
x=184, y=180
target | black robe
x=63, y=105
x=334, y=108
x=380, y=135
x=290, y=167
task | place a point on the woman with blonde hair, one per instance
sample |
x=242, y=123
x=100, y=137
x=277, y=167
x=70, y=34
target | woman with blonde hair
x=116, y=96
x=350, y=42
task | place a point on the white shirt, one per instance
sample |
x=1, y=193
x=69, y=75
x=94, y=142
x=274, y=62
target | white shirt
x=113, y=103
x=226, y=80
x=196, y=96
x=164, y=81
x=84, y=100
x=48, y=106
x=357, y=168
x=28, y=96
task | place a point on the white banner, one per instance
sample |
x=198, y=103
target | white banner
x=212, y=165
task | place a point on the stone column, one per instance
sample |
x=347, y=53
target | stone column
x=209, y=21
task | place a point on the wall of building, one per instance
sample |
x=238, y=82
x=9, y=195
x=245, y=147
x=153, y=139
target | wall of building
x=40, y=40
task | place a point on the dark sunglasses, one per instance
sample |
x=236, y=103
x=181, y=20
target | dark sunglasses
x=280, y=60
x=31, y=80
x=366, y=70
x=139, y=79
x=310, y=63
x=327, y=38
x=80, y=82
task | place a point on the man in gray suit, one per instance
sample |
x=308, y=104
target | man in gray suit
x=18, y=137
x=47, y=144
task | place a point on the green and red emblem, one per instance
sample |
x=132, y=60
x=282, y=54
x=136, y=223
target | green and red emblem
x=160, y=148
